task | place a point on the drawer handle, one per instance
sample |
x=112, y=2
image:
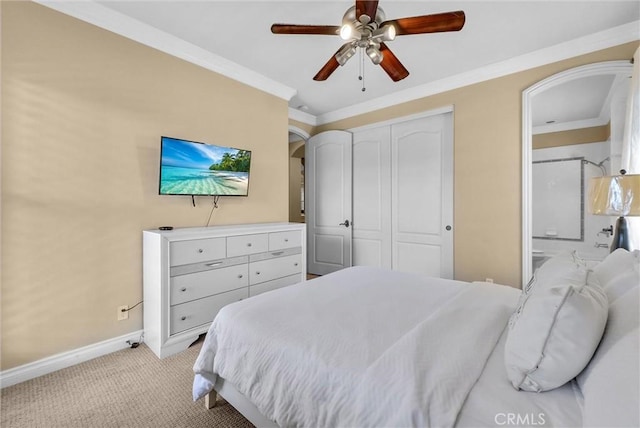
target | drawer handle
x=213, y=264
x=295, y=264
x=248, y=244
x=240, y=276
x=277, y=253
x=183, y=289
x=258, y=272
x=183, y=318
x=200, y=250
x=286, y=240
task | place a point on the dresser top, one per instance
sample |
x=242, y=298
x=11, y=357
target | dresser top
x=224, y=230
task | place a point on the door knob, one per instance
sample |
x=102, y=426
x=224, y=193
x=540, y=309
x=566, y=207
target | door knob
x=448, y=227
x=345, y=224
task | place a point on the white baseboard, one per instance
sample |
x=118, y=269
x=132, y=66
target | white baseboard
x=66, y=359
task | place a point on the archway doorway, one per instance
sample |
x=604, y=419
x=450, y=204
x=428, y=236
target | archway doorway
x=297, y=140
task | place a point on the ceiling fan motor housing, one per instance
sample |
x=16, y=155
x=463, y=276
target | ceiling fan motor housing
x=364, y=33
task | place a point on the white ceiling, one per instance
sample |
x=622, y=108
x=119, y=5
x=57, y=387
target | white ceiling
x=573, y=101
x=495, y=31
x=579, y=103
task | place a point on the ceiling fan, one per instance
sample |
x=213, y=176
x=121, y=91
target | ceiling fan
x=365, y=26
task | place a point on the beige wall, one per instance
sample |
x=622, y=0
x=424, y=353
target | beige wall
x=594, y=134
x=83, y=111
x=487, y=159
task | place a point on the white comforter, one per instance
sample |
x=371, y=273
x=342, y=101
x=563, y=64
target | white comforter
x=360, y=347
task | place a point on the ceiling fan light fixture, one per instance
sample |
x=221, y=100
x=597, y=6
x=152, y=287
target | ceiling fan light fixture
x=346, y=52
x=349, y=32
x=374, y=53
x=385, y=33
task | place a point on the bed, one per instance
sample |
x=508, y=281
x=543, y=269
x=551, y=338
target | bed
x=367, y=347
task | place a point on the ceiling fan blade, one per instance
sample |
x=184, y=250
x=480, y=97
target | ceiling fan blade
x=366, y=7
x=328, y=68
x=440, y=22
x=392, y=65
x=324, y=30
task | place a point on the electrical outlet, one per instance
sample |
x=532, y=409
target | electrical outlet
x=123, y=313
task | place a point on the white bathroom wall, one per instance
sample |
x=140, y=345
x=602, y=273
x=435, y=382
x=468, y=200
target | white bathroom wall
x=593, y=224
x=557, y=198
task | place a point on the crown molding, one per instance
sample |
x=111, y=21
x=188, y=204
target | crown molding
x=116, y=22
x=302, y=116
x=604, y=39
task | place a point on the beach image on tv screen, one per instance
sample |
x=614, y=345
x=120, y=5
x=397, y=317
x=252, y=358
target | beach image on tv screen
x=189, y=168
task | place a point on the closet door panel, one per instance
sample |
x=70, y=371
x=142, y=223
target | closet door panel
x=417, y=184
x=372, y=197
x=421, y=188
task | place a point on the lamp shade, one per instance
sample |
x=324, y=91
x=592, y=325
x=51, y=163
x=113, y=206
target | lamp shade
x=615, y=195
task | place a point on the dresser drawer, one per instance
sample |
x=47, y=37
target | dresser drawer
x=247, y=244
x=263, y=287
x=196, y=250
x=275, y=254
x=202, y=311
x=208, y=265
x=288, y=239
x=267, y=270
x=185, y=288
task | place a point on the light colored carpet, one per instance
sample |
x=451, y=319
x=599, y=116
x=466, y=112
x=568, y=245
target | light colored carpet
x=128, y=388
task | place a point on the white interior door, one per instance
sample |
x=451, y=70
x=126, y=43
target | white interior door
x=328, y=195
x=422, y=195
x=372, y=197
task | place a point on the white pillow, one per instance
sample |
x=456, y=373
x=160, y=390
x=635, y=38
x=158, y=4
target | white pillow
x=555, y=331
x=621, y=284
x=610, y=384
x=565, y=268
x=615, y=264
x=562, y=265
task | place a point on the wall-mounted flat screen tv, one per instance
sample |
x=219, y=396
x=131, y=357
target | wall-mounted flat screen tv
x=192, y=168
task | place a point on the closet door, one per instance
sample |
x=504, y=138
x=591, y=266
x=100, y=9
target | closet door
x=422, y=195
x=372, y=197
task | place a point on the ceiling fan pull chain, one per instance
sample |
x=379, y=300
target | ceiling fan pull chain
x=360, y=64
x=361, y=76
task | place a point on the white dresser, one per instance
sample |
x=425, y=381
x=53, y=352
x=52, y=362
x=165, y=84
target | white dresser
x=190, y=274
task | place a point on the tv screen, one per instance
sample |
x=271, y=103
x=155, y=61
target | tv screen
x=192, y=168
